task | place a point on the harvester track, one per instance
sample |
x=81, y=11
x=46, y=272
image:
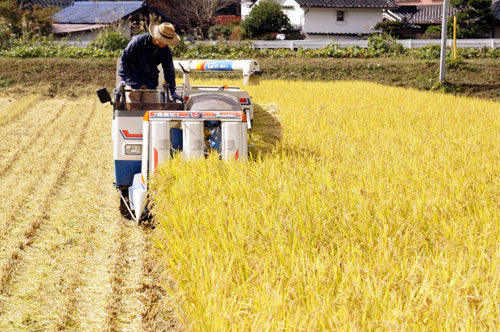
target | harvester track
x=152, y=292
x=120, y=268
x=68, y=261
x=29, y=234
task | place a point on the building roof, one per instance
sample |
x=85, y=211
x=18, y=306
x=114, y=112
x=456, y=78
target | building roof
x=415, y=15
x=495, y=9
x=429, y=14
x=29, y=4
x=347, y=3
x=102, y=12
x=70, y=28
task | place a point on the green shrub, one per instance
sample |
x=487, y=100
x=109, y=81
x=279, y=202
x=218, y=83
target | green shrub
x=181, y=49
x=432, y=32
x=237, y=33
x=5, y=33
x=47, y=47
x=385, y=45
x=294, y=35
x=389, y=27
x=427, y=52
x=109, y=40
x=217, y=32
x=268, y=36
x=265, y=18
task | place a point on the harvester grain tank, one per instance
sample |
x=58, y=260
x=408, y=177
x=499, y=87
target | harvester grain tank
x=144, y=134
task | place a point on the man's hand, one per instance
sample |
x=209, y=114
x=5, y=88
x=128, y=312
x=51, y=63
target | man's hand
x=175, y=96
x=121, y=85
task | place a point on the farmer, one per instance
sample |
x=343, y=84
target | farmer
x=139, y=63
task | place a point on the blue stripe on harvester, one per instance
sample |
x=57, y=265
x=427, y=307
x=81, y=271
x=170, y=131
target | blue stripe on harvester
x=125, y=170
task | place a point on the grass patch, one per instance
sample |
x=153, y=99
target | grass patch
x=77, y=77
x=5, y=83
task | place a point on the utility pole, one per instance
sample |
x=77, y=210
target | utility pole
x=444, y=31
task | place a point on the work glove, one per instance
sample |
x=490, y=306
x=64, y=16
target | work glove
x=121, y=85
x=175, y=96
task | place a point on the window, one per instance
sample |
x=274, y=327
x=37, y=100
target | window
x=340, y=15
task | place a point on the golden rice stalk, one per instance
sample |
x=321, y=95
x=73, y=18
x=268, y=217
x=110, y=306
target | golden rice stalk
x=378, y=210
x=266, y=129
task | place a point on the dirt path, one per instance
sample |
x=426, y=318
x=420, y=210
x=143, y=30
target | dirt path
x=68, y=261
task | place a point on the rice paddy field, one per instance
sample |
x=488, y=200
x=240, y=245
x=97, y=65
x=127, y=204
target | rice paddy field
x=378, y=210
x=68, y=261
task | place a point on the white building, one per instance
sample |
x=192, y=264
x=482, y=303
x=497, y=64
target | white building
x=325, y=19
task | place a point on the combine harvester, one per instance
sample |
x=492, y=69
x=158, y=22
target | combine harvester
x=212, y=118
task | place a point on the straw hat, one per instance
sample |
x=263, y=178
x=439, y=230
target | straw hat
x=165, y=33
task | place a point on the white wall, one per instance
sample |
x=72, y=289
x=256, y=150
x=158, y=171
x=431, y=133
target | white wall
x=355, y=20
x=333, y=37
x=245, y=8
x=293, y=11
x=89, y=35
x=419, y=2
x=83, y=36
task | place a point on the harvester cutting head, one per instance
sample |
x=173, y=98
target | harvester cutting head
x=211, y=119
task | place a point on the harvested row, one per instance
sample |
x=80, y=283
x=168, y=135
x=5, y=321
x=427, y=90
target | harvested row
x=11, y=112
x=22, y=136
x=80, y=268
x=118, y=271
x=40, y=216
x=33, y=175
x=4, y=102
x=155, y=316
x=24, y=169
x=29, y=118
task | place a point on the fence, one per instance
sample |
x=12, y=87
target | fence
x=410, y=43
x=313, y=44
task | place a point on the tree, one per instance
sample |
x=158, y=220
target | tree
x=266, y=17
x=389, y=27
x=35, y=21
x=195, y=15
x=10, y=15
x=474, y=17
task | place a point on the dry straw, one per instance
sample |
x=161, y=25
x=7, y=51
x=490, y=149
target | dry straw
x=266, y=129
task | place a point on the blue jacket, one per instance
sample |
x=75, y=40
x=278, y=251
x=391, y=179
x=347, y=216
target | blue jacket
x=140, y=60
